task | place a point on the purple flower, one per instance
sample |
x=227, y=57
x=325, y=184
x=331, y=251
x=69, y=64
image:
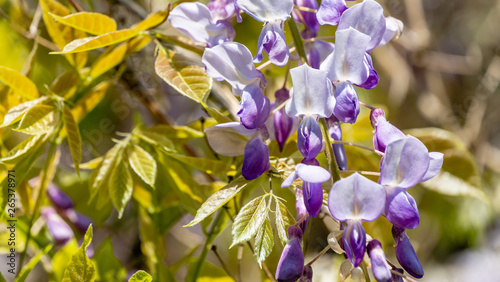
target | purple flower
x=308, y=19
x=406, y=254
x=335, y=132
x=401, y=209
x=300, y=209
x=57, y=227
x=330, y=11
x=255, y=159
x=230, y=138
x=80, y=221
x=373, y=78
x=60, y=199
x=282, y=125
x=354, y=199
x=221, y=9
x=254, y=108
x=309, y=138
x=380, y=267
x=307, y=274
x=233, y=63
x=395, y=277
x=347, y=103
x=317, y=51
x=291, y=263
x=385, y=132
x=195, y=21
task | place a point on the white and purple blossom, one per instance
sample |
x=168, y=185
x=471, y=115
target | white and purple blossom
x=307, y=18
x=356, y=199
x=221, y=9
x=380, y=268
x=330, y=11
x=58, y=228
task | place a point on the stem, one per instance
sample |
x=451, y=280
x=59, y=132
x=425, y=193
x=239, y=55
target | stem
x=402, y=275
x=224, y=266
x=365, y=271
x=319, y=255
x=306, y=216
x=361, y=172
x=367, y=106
x=332, y=162
x=39, y=198
x=179, y=41
x=297, y=40
x=359, y=146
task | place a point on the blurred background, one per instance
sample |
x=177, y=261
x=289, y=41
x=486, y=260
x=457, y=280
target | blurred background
x=439, y=82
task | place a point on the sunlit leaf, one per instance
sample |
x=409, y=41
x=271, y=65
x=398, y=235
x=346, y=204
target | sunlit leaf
x=66, y=84
x=250, y=218
x=39, y=119
x=183, y=183
x=157, y=139
x=186, y=76
x=16, y=113
x=18, y=82
x=216, y=114
x=25, y=271
x=109, y=268
x=120, y=186
x=92, y=164
x=141, y=276
x=114, y=57
x=143, y=164
x=213, y=167
x=23, y=149
x=176, y=132
x=218, y=199
x=74, y=138
x=264, y=241
x=93, y=23
x=91, y=43
x=102, y=173
x=81, y=268
x=152, y=20
x=86, y=104
x=283, y=220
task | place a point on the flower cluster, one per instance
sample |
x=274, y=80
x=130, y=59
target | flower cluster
x=323, y=92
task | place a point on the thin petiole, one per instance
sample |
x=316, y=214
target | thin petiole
x=361, y=172
x=319, y=255
x=359, y=146
x=367, y=106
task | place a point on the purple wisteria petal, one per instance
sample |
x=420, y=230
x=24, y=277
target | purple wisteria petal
x=368, y=18
x=294, y=232
x=395, y=277
x=406, y=254
x=309, y=138
x=335, y=132
x=354, y=239
x=313, y=198
x=330, y=11
x=308, y=19
x=405, y=162
x=312, y=93
x=57, y=227
x=435, y=164
x=233, y=63
x=290, y=179
x=380, y=268
x=195, y=21
x=291, y=263
x=229, y=139
x=266, y=10
x=373, y=78
x=79, y=220
x=356, y=197
x=393, y=29
x=300, y=209
x=255, y=159
x=272, y=40
x=283, y=127
x=317, y=51
x=60, y=199
x=312, y=173
x=385, y=132
x=307, y=274
x=401, y=209
x=346, y=62
x=221, y=9
x=346, y=103
x=254, y=108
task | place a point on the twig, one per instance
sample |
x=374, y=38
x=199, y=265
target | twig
x=366, y=106
x=359, y=146
x=361, y=172
x=224, y=266
x=76, y=5
x=319, y=255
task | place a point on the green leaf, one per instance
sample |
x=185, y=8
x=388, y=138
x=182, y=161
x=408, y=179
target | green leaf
x=81, y=267
x=218, y=199
x=31, y=264
x=93, y=23
x=141, y=276
x=213, y=167
x=86, y=104
x=24, y=149
x=66, y=84
x=143, y=164
x=120, y=186
x=185, y=75
x=92, y=164
x=152, y=20
x=176, y=132
x=264, y=241
x=17, y=112
x=102, y=173
x=109, y=268
x=283, y=220
x=249, y=220
x=19, y=83
x=74, y=138
x=39, y=119
x=91, y=43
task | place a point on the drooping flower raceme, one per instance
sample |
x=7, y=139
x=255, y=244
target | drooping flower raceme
x=195, y=21
x=356, y=199
x=272, y=39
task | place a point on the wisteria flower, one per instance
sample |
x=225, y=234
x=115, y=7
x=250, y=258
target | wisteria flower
x=307, y=18
x=291, y=263
x=330, y=11
x=57, y=227
x=406, y=254
x=380, y=268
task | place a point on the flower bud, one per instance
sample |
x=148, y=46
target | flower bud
x=80, y=221
x=313, y=197
x=406, y=254
x=57, y=227
x=58, y=197
x=255, y=159
x=283, y=124
x=301, y=209
x=385, y=132
x=309, y=138
x=335, y=132
x=291, y=263
x=380, y=267
x=307, y=274
x=354, y=239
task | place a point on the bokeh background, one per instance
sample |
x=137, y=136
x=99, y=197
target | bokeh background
x=439, y=81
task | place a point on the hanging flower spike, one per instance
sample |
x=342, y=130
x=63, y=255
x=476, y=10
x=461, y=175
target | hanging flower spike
x=354, y=199
x=291, y=263
x=406, y=254
x=282, y=125
x=221, y=9
x=57, y=227
x=312, y=176
x=345, y=67
x=380, y=268
x=233, y=63
x=195, y=21
x=255, y=159
x=335, y=132
x=254, y=108
x=271, y=39
x=330, y=11
x=308, y=19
